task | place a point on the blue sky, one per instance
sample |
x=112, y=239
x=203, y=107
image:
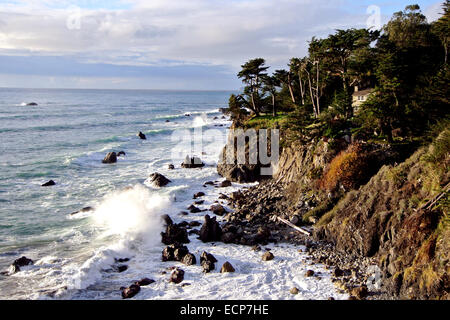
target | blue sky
x=162, y=44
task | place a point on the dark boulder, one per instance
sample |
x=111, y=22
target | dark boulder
x=193, y=209
x=309, y=273
x=210, y=230
x=225, y=183
x=236, y=195
x=141, y=136
x=227, y=267
x=207, y=261
x=194, y=224
x=194, y=162
x=177, y=275
x=167, y=220
x=21, y=262
x=228, y=237
x=121, y=260
x=360, y=292
x=208, y=266
x=189, y=259
x=199, y=202
x=32, y=104
x=218, y=209
x=267, y=256
x=120, y=268
x=158, y=179
x=48, y=183
x=167, y=254
x=144, y=282
x=131, y=291
x=205, y=256
x=85, y=209
x=262, y=235
x=171, y=167
x=180, y=253
x=174, y=252
x=338, y=272
x=111, y=157
x=239, y=172
x=121, y=153
x=174, y=234
x=199, y=194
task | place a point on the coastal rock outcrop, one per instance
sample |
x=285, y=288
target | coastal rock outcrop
x=159, y=180
x=174, y=252
x=177, y=275
x=20, y=262
x=49, y=183
x=210, y=230
x=144, y=282
x=131, y=291
x=141, y=136
x=189, y=259
x=239, y=172
x=174, y=234
x=193, y=209
x=225, y=184
x=267, y=256
x=227, y=267
x=207, y=261
x=198, y=195
x=111, y=157
x=85, y=209
x=218, y=209
x=193, y=162
x=167, y=220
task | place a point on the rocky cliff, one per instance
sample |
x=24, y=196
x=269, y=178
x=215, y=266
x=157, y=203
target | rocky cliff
x=399, y=217
x=394, y=211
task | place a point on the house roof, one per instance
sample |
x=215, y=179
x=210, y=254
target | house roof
x=364, y=92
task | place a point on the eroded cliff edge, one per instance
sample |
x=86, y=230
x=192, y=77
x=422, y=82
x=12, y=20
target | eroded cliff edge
x=379, y=201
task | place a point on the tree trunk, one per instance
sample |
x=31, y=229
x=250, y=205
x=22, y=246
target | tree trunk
x=302, y=92
x=290, y=88
x=311, y=94
x=274, y=111
x=255, y=109
x=317, y=90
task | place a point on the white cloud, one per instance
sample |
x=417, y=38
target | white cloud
x=207, y=32
x=434, y=11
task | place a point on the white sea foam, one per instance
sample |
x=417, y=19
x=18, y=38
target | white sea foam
x=131, y=212
x=132, y=218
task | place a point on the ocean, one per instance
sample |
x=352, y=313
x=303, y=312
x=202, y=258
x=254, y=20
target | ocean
x=64, y=138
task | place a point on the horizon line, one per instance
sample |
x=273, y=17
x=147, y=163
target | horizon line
x=129, y=89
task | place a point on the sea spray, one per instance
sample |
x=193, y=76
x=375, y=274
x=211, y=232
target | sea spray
x=128, y=219
x=131, y=212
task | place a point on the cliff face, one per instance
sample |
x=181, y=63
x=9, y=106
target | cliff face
x=383, y=217
x=387, y=219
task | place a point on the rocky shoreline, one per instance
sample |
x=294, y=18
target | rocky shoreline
x=256, y=216
x=256, y=210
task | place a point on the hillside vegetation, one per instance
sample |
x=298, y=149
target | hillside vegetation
x=370, y=173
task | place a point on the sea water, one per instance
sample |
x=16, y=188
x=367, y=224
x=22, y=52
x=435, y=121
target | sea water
x=64, y=138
